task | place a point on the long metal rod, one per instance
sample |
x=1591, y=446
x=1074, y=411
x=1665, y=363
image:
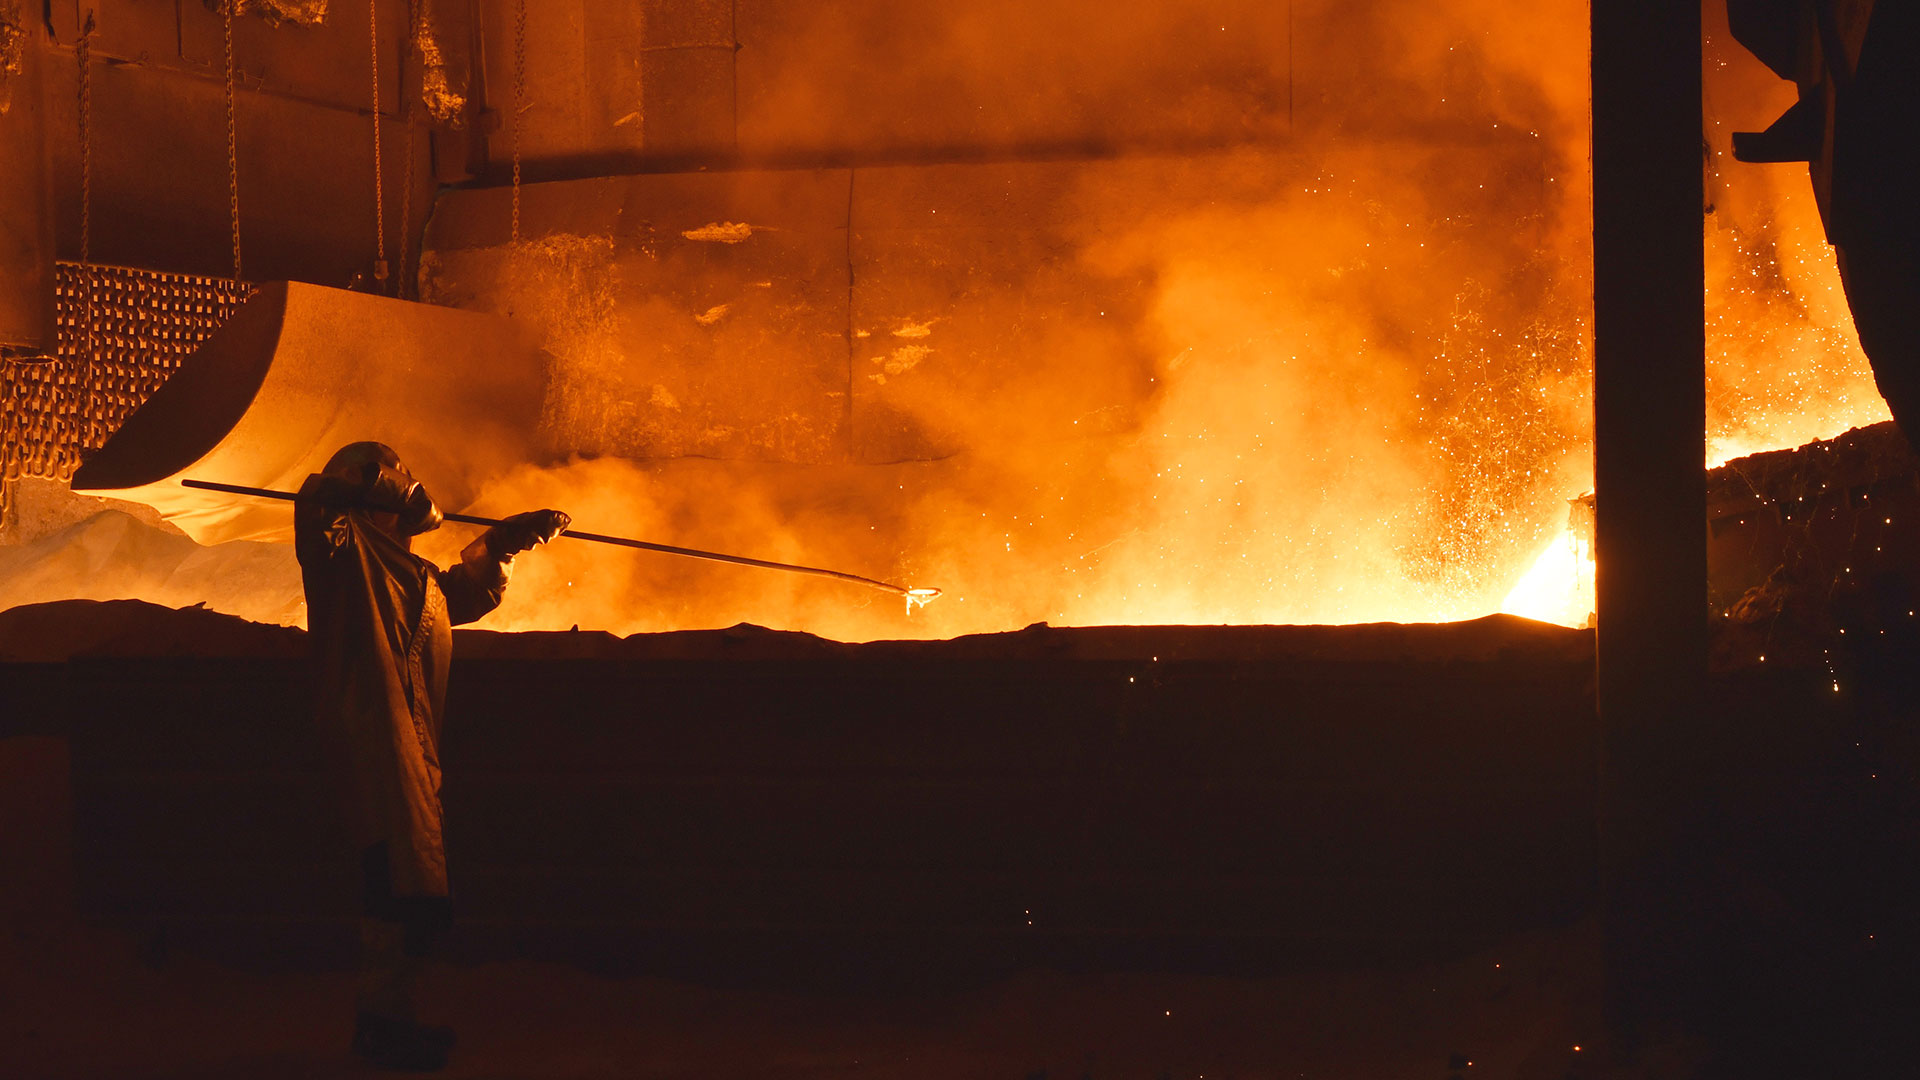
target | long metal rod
x=919, y=595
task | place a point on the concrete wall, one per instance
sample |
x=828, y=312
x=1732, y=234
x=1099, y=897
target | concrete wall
x=26, y=225
x=884, y=314
x=304, y=139
x=609, y=88
x=669, y=83
x=914, y=311
x=608, y=82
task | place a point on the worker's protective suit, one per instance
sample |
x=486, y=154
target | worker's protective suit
x=381, y=622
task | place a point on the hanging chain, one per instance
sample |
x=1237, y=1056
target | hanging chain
x=233, y=153
x=83, y=50
x=379, y=192
x=519, y=104
x=409, y=99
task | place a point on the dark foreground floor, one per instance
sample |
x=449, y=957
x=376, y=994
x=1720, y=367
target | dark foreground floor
x=1795, y=859
x=86, y=1002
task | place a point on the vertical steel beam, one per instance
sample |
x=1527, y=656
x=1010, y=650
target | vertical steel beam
x=1650, y=489
x=26, y=207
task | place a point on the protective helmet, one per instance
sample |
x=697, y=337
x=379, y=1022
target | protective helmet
x=350, y=461
x=362, y=462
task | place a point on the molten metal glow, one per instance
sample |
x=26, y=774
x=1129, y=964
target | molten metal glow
x=1558, y=588
x=1340, y=376
x=1354, y=384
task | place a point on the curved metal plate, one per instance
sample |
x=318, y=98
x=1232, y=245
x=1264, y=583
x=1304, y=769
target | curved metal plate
x=302, y=370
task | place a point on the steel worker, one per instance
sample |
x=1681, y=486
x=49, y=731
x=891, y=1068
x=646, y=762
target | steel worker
x=380, y=619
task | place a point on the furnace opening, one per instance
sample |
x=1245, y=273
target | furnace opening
x=1278, y=314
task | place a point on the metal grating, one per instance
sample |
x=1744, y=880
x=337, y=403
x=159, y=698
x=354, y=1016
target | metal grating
x=145, y=323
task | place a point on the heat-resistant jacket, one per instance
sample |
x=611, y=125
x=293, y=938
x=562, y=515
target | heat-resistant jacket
x=380, y=620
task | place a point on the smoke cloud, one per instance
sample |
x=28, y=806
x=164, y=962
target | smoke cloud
x=1267, y=313
x=1331, y=368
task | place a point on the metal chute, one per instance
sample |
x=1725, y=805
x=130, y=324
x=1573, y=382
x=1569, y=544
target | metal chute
x=301, y=370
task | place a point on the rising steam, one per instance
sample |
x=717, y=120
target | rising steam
x=1314, y=349
x=1342, y=380
x=1338, y=377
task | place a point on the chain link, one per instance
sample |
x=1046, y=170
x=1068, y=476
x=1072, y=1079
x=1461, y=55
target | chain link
x=379, y=176
x=83, y=52
x=416, y=16
x=519, y=105
x=233, y=152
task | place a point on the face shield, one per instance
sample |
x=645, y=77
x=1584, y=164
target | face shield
x=378, y=467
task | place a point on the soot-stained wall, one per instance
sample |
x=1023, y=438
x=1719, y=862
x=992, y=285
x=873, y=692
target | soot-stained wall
x=303, y=136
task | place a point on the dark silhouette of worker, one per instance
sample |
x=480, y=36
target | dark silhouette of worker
x=381, y=622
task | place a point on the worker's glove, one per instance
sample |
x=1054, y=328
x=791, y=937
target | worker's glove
x=522, y=532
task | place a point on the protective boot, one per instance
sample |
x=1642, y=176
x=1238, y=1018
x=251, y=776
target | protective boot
x=400, y=1045
x=385, y=1031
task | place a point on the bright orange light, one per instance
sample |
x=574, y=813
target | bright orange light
x=1559, y=586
